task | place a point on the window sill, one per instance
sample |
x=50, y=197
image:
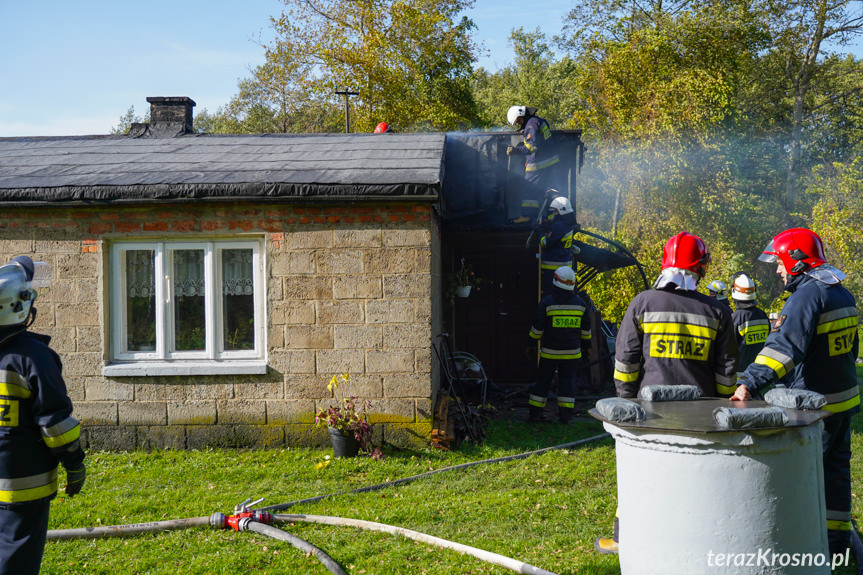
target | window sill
x=157, y=368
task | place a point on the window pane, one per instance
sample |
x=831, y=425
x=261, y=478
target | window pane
x=238, y=304
x=140, y=300
x=189, y=300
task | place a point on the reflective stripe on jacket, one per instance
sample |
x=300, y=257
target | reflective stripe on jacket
x=675, y=337
x=562, y=325
x=752, y=327
x=814, y=343
x=37, y=429
x=537, y=145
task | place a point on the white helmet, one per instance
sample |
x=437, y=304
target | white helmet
x=515, y=112
x=564, y=278
x=16, y=295
x=562, y=205
x=719, y=288
x=743, y=288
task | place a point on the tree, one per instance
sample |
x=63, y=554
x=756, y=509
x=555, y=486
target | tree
x=800, y=30
x=410, y=60
x=534, y=79
x=127, y=119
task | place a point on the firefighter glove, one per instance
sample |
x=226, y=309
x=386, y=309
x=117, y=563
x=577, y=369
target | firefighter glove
x=510, y=150
x=75, y=477
x=530, y=351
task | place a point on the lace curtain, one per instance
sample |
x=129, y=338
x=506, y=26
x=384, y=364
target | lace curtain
x=237, y=272
x=140, y=273
x=189, y=273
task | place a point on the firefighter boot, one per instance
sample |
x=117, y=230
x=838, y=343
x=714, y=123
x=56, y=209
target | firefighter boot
x=565, y=414
x=535, y=413
x=606, y=546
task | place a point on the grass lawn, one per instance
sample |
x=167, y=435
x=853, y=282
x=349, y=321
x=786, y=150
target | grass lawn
x=544, y=510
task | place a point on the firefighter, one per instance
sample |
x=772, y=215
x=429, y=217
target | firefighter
x=813, y=346
x=674, y=335
x=561, y=325
x=37, y=430
x=750, y=321
x=540, y=157
x=556, y=244
x=718, y=290
x=383, y=128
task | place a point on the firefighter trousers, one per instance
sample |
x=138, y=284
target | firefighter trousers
x=567, y=371
x=836, y=443
x=23, y=528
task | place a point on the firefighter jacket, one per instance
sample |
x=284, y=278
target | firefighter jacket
x=37, y=429
x=537, y=145
x=752, y=327
x=813, y=344
x=675, y=337
x=557, y=246
x=562, y=323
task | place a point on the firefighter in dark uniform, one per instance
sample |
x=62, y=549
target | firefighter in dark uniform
x=37, y=429
x=561, y=325
x=719, y=291
x=750, y=321
x=541, y=160
x=556, y=244
x=674, y=335
x=813, y=346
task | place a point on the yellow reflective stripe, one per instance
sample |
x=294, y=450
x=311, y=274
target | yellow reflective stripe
x=838, y=324
x=772, y=364
x=627, y=377
x=560, y=356
x=565, y=401
x=19, y=489
x=530, y=147
x=725, y=389
x=843, y=405
x=541, y=165
x=586, y=335
x=838, y=525
x=65, y=438
x=13, y=384
x=679, y=328
x=537, y=401
x=535, y=333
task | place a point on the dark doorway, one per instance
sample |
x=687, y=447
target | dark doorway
x=494, y=320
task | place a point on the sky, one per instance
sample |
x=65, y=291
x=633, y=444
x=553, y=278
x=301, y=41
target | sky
x=74, y=67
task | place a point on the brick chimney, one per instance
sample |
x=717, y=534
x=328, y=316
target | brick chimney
x=169, y=117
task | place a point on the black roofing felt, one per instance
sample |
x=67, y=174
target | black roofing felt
x=212, y=166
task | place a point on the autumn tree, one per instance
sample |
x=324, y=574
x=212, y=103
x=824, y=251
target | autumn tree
x=410, y=60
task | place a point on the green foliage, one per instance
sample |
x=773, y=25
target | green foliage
x=127, y=119
x=838, y=218
x=410, y=60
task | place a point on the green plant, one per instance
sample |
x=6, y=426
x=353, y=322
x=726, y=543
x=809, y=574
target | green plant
x=350, y=415
x=465, y=276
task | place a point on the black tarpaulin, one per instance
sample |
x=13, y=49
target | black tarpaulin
x=214, y=166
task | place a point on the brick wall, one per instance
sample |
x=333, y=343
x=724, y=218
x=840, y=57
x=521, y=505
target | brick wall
x=350, y=288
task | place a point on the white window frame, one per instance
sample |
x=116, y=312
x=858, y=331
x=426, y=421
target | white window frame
x=164, y=360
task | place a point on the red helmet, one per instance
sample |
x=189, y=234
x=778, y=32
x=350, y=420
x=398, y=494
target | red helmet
x=686, y=251
x=798, y=249
x=383, y=128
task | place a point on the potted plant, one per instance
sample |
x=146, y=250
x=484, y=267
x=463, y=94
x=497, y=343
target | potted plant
x=465, y=279
x=347, y=422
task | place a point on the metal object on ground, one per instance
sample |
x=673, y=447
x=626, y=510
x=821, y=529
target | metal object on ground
x=695, y=498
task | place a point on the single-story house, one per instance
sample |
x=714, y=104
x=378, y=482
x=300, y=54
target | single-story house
x=205, y=288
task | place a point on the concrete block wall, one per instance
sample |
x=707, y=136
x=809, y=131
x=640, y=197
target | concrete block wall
x=350, y=289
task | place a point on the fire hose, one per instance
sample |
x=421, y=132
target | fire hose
x=259, y=520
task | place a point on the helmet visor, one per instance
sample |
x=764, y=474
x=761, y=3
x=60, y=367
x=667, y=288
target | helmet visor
x=769, y=254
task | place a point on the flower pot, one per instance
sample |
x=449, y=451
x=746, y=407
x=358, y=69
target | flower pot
x=462, y=291
x=344, y=443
